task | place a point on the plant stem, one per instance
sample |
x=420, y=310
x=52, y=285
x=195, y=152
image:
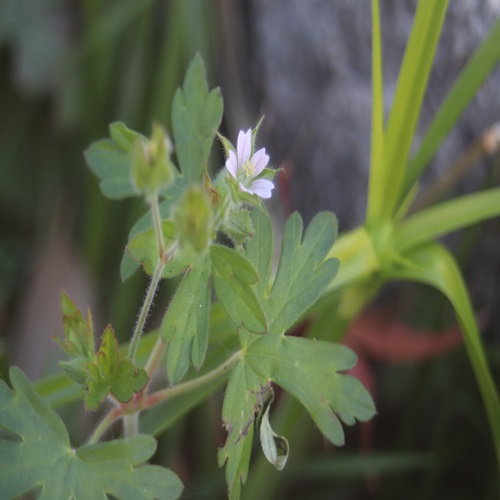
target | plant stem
x=170, y=392
x=143, y=314
x=155, y=210
x=153, y=285
x=131, y=424
x=104, y=424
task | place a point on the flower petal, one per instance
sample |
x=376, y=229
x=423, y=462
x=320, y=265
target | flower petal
x=232, y=164
x=262, y=188
x=259, y=161
x=244, y=146
x=243, y=188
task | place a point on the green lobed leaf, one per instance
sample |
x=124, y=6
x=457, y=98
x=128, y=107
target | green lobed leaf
x=308, y=370
x=303, y=273
x=233, y=274
x=241, y=269
x=38, y=456
x=196, y=115
x=123, y=136
x=108, y=373
x=186, y=322
x=240, y=408
x=110, y=160
x=128, y=266
x=58, y=390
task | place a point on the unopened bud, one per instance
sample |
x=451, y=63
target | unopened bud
x=151, y=165
x=194, y=220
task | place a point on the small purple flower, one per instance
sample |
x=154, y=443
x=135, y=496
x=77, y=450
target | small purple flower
x=244, y=169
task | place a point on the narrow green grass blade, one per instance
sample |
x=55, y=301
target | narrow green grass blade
x=432, y=264
x=429, y=224
x=410, y=90
x=376, y=194
x=471, y=78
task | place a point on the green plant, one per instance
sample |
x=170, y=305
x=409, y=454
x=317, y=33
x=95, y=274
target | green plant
x=242, y=337
x=179, y=237
x=392, y=245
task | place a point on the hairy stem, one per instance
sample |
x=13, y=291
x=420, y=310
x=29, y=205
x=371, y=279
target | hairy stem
x=155, y=210
x=146, y=306
x=153, y=284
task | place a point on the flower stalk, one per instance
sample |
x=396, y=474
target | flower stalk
x=155, y=280
x=144, y=312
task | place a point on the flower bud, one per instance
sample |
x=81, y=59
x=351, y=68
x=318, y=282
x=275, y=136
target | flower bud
x=151, y=165
x=194, y=220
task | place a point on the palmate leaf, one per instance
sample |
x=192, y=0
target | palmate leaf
x=111, y=160
x=38, y=456
x=303, y=273
x=196, y=115
x=186, y=322
x=307, y=369
x=108, y=373
x=241, y=403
